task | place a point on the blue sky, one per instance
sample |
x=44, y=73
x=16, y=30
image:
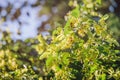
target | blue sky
x=30, y=23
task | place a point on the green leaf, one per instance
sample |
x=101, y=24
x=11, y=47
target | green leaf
x=105, y=17
x=67, y=28
x=49, y=61
x=93, y=68
x=65, y=58
x=103, y=77
x=75, y=12
x=99, y=1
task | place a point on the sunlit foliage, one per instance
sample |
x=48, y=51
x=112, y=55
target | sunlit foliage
x=83, y=49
